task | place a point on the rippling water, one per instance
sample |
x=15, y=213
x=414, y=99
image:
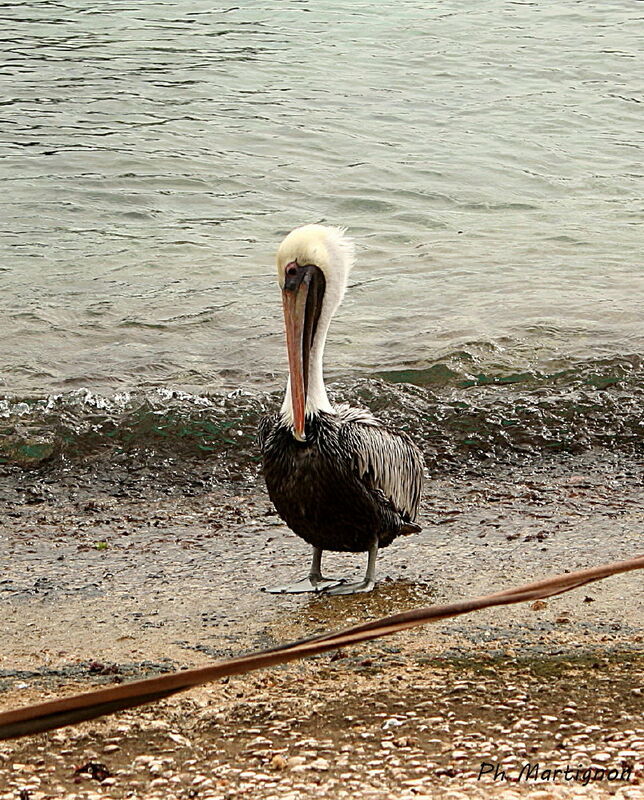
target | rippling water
x=485, y=157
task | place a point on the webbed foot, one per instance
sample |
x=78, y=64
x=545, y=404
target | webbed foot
x=351, y=588
x=308, y=584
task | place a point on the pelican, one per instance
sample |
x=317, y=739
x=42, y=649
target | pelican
x=339, y=478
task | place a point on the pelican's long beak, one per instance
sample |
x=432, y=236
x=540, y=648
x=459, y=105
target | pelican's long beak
x=294, y=302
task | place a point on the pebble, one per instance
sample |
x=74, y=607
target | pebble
x=278, y=762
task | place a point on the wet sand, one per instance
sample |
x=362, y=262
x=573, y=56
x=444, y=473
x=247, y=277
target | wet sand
x=117, y=573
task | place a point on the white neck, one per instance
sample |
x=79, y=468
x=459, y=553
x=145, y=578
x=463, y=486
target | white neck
x=316, y=396
x=333, y=253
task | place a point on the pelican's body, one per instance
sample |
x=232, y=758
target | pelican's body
x=340, y=479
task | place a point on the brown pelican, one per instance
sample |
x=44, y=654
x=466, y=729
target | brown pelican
x=339, y=478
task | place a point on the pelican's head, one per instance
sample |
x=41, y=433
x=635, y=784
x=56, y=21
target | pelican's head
x=313, y=265
x=319, y=246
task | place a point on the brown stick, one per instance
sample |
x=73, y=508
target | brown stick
x=89, y=705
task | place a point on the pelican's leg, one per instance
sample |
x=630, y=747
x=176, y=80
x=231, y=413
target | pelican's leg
x=364, y=586
x=315, y=582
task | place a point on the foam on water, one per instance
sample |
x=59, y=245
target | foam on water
x=599, y=404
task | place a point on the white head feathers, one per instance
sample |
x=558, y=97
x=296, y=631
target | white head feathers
x=333, y=253
x=325, y=247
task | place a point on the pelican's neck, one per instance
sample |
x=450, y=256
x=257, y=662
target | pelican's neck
x=316, y=396
x=332, y=254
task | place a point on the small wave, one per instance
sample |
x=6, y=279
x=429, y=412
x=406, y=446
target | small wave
x=458, y=370
x=452, y=417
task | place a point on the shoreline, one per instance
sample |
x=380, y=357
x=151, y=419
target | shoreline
x=158, y=568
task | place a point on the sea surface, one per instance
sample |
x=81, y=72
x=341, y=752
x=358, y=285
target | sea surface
x=486, y=157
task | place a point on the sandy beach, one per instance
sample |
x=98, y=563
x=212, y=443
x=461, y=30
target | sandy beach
x=117, y=573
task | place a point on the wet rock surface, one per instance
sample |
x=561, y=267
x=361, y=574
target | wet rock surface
x=113, y=573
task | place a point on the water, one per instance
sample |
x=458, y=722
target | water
x=485, y=157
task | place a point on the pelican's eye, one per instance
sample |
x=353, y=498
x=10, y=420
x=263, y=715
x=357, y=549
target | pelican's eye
x=291, y=269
